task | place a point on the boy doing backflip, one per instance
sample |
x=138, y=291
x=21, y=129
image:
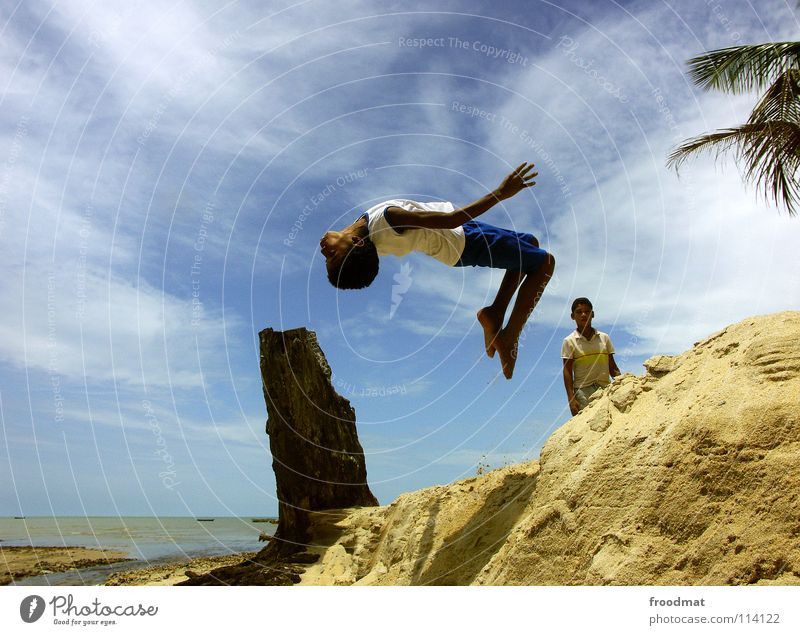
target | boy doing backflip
x=455, y=238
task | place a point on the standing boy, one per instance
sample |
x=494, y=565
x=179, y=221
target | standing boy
x=588, y=356
x=453, y=237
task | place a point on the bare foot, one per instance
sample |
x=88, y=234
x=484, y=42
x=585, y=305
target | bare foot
x=491, y=323
x=507, y=349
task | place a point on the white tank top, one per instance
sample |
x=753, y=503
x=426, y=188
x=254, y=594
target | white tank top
x=446, y=245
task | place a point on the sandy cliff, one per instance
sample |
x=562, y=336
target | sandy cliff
x=685, y=475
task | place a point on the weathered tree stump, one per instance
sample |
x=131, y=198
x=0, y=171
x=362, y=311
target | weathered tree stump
x=317, y=458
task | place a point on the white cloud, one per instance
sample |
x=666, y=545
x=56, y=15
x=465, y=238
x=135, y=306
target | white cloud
x=74, y=320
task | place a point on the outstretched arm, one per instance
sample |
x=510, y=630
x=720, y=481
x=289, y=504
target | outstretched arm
x=514, y=183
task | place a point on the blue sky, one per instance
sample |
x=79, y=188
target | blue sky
x=166, y=171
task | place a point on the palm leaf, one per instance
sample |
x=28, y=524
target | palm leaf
x=781, y=101
x=719, y=142
x=772, y=162
x=744, y=68
x=768, y=153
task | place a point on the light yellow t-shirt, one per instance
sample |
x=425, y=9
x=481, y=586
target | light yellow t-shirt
x=590, y=365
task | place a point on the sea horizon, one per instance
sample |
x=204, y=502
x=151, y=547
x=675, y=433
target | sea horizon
x=145, y=539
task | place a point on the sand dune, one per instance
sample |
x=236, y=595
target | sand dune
x=685, y=475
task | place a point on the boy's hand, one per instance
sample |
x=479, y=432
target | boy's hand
x=574, y=408
x=517, y=181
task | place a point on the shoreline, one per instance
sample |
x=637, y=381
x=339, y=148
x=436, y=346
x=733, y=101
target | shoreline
x=21, y=562
x=172, y=573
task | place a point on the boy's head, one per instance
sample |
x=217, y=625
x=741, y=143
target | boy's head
x=351, y=260
x=582, y=311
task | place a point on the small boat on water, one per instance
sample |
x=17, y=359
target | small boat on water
x=205, y=520
x=19, y=517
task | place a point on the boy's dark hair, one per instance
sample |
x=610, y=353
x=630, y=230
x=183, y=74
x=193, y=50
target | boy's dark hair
x=578, y=301
x=358, y=268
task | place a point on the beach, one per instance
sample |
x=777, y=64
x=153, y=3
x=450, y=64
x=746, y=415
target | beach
x=80, y=550
x=22, y=562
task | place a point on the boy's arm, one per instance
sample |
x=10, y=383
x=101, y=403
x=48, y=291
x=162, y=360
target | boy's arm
x=613, y=369
x=514, y=183
x=569, y=386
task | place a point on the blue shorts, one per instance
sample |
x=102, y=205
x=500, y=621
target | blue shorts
x=489, y=246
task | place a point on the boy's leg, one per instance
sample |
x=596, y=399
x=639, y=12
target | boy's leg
x=530, y=291
x=491, y=317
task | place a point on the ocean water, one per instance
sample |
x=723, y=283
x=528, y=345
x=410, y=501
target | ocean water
x=148, y=540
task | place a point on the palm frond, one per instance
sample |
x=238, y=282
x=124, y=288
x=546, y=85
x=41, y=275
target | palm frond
x=772, y=162
x=719, y=142
x=744, y=68
x=781, y=101
x=768, y=154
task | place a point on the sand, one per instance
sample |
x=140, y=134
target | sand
x=23, y=562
